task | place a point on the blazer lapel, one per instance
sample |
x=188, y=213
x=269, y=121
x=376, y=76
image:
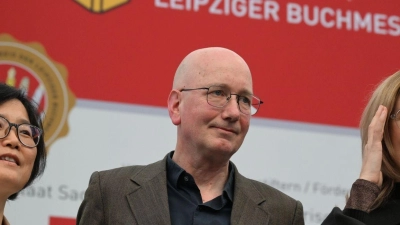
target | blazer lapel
x=246, y=203
x=149, y=197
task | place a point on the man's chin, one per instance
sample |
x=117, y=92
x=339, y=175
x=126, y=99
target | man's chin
x=225, y=149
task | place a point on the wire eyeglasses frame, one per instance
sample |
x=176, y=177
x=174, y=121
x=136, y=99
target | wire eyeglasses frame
x=243, y=101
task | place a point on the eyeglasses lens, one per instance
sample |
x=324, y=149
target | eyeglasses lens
x=219, y=96
x=28, y=135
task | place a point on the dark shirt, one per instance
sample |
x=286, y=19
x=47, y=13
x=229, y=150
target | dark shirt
x=389, y=210
x=185, y=203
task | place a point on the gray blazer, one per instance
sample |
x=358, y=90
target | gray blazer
x=137, y=195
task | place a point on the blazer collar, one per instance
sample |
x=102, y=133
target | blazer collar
x=149, y=195
x=247, y=202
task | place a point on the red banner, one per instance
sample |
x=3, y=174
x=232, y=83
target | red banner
x=311, y=62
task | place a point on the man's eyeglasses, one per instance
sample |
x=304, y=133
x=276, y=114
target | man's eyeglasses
x=219, y=96
x=28, y=134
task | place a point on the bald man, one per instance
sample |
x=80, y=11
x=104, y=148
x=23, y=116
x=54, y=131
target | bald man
x=211, y=103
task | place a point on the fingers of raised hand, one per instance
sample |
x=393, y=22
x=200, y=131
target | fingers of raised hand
x=372, y=154
x=376, y=127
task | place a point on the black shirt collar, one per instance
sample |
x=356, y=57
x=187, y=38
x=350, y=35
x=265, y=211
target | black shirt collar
x=175, y=173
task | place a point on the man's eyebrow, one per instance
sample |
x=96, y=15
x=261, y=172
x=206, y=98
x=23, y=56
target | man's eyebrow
x=244, y=92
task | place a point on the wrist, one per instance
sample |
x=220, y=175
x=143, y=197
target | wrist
x=362, y=195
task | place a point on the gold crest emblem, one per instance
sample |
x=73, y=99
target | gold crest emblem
x=101, y=6
x=27, y=66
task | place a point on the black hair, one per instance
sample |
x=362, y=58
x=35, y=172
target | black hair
x=8, y=93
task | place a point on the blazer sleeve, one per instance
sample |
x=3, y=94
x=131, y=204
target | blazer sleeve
x=91, y=210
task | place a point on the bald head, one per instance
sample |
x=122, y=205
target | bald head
x=206, y=61
x=210, y=127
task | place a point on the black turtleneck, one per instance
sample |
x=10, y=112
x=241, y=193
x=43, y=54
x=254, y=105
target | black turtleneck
x=389, y=211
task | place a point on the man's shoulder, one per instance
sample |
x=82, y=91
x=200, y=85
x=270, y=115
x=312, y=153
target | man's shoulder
x=269, y=192
x=283, y=208
x=121, y=171
x=263, y=187
x=130, y=171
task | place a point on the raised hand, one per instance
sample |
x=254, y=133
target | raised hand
x=372, y=152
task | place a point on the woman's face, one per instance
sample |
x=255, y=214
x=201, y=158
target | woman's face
x=395, y=133
x=16, y=160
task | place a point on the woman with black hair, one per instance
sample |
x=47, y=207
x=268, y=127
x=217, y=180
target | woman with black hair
x=22, y=148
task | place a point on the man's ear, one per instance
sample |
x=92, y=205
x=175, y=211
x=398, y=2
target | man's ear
x=174, y=101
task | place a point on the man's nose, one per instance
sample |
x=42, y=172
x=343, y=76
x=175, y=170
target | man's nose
x=231, y=109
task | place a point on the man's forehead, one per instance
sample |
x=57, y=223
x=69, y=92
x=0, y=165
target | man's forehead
x=231, y=78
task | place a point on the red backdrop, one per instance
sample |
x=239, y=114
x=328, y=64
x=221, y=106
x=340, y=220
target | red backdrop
x=129, y=54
